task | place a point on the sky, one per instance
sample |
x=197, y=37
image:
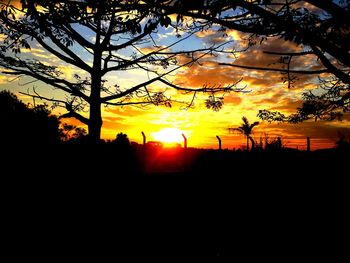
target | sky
x=263, y=90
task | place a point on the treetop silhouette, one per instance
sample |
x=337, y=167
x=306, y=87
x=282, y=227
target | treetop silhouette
x=23, y=124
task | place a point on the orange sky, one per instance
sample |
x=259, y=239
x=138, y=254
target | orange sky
x=265, y=90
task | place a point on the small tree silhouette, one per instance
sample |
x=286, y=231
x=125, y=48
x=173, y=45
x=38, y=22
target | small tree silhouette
x=73, y=133
x=246, y=129
x=122, y=140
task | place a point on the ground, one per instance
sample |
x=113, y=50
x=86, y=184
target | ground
x=81, y=203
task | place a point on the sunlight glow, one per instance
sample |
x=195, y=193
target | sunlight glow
x=168, y=135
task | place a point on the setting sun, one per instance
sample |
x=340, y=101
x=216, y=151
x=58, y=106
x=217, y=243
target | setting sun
x=168, y=135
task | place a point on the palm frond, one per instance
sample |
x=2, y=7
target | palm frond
x=245, y=120
x=239, y=129
x=254, y=124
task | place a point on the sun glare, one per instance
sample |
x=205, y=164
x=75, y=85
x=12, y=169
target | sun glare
x=168, y=135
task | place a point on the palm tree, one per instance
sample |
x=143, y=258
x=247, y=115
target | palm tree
x=246, y=129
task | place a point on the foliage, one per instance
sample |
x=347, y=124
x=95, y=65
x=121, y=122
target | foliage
x=24, y=124
x=328, y=106
x=343, y=142
x=320, y=28
x=122, y=140
x=72, y=133
x=116, y=35
x=273, y=144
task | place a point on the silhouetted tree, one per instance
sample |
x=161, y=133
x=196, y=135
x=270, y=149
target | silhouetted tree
x=246, y=129
x=25, y=125
x=73, y=133
x=273, y=144
x=320, y=28
x=343, y=143
x=122, y=140
x=116, y=36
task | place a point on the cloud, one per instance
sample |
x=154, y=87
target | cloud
x=312, y=129
x=235, y=35
x=114, y=123
x=213, y=37
x=128, y=111
x=15, y=3
x=206, y=74
x=4, y=79
x=68, y=71
x=40, y=54
x=209, y=72
x=216, y=35
x=233, y=100
x=256, y=57
x=75, y=122
x=150, y=49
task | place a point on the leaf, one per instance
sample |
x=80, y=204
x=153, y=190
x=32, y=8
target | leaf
x=167, y=21
x=178, y=19
x=138, y=29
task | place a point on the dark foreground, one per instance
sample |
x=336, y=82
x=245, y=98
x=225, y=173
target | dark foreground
x=99, y=203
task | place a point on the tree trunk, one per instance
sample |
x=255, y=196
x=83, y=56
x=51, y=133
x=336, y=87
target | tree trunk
x=253, y=143
x=247, y=143
x=95, y=122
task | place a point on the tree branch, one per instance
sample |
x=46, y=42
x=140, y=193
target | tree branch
x=70, y=114
x=77, y=37
x=330, y=7
x=304, y=72
x=345, y=78
x=54, y=82
x=135, y=88
x=127, y=43
x=289, y=53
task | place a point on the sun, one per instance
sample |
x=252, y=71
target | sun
x=168, y=135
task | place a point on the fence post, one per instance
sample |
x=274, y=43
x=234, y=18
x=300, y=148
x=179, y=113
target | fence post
x=185, y=153
x=308, y=147
x=219, y=142
x=144, y=138
x=185, y=141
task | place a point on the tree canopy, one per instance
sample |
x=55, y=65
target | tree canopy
x=115, y=36
x=119, y=36
x=320, y=28
x=23, y=124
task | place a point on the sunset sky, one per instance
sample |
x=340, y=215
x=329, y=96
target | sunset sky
x=264, y=90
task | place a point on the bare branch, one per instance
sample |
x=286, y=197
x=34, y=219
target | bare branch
x=304, y=72
x=289, y=53
x=331, y=68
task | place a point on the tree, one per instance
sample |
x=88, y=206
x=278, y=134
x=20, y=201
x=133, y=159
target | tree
x=246, y=129
x=115, y=34
x=23, y=124
x=320, y=28
x=73, y=133
x=122, y=141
